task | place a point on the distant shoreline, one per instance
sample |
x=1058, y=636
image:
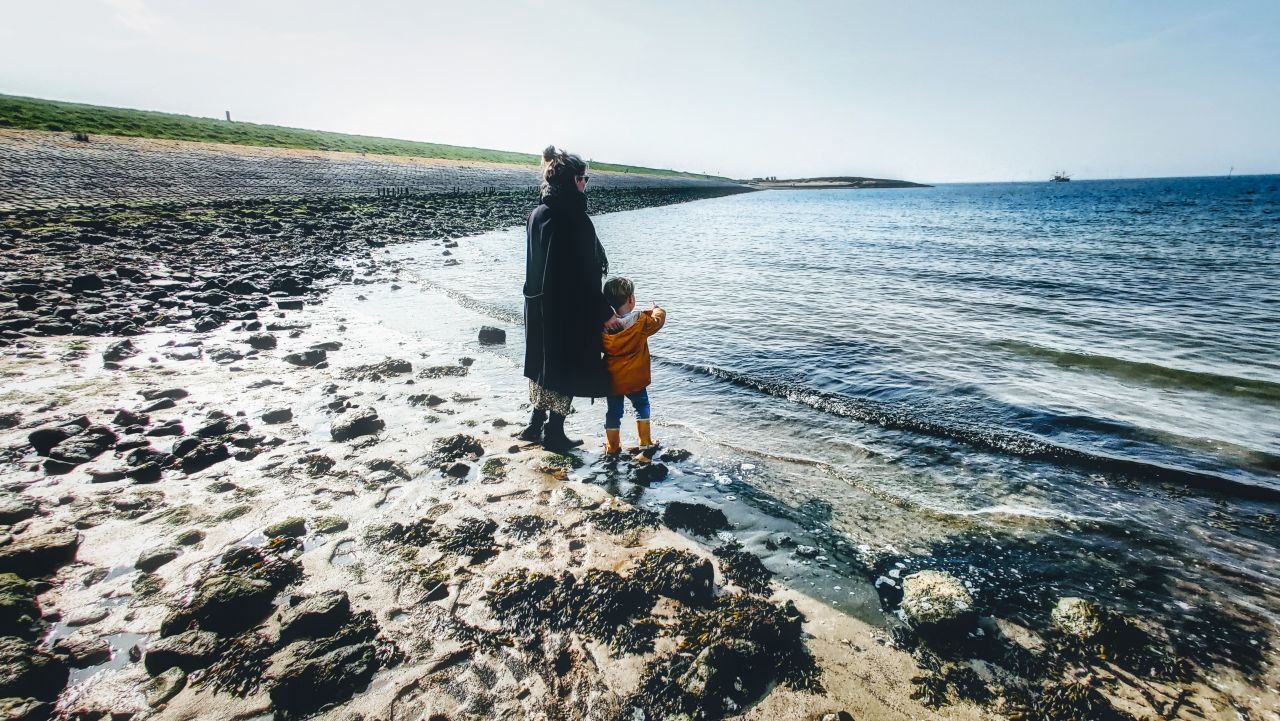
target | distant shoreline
x=851, y=183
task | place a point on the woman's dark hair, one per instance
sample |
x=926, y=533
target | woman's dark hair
x=559, y=169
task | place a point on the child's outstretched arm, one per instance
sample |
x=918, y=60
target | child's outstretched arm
x=657, y=319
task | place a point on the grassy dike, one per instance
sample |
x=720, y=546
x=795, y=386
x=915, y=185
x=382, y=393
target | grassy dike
x=36, y=114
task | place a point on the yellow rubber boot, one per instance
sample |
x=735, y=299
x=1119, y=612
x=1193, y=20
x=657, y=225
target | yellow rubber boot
x=612, y=441
x=642, y=430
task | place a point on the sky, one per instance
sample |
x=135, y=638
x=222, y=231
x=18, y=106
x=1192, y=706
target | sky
x=929, y=90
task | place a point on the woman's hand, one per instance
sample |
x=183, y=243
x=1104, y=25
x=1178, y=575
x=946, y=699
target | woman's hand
x=613, y=325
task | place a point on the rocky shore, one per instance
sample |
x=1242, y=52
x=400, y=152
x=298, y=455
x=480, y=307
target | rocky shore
x=226, y=497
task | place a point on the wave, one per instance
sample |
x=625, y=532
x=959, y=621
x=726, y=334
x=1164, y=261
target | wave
x=1150, y=373
x=897, y=416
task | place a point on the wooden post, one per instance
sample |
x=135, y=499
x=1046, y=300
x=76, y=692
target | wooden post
x=228, y=116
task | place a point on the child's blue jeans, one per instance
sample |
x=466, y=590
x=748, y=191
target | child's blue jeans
x=613, y=415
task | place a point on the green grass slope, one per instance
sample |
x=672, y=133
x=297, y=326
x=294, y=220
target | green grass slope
x=36, y=114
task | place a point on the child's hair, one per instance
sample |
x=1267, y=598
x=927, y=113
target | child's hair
x=617, y=291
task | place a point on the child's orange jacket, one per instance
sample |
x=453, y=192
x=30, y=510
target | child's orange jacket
x=627, y=353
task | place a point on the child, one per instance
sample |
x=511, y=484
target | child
x=627, y=355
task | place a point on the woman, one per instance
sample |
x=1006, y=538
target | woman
x=564, y=309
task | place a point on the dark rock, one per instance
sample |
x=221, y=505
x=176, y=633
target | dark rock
x=189, y=650
x=223, y=603
x=277, y=415
x=148, y=472
x=306, y=358
x=317, y=616
x=15, y=507
x=458, y=470
x=171, y=393
x=290, y=527
x=55, y=467
x=262, y=341
x=428, y=399
x=305, y=683
x=19, y=610
x=84, y=447
x=329, y=345
x=184, y=445
x=90, y=281
x=154, y=558
x=39, y=556
x=27, y=671
x=492, y=336
x=107, y=476
x=218, y=426
x=697, y=518
x=289, y=304
x=126, y=418
x=189, y=537
x=207, y=454
x=119, y=351
x=350, y=425
x=163, y=404
x=44, y=439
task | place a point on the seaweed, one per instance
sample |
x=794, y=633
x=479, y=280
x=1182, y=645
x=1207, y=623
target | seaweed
x=417, y=533
x=676, y=574
x=699, y=519
x=620, y=520
x=743, y=568
x=240, y=665
x=471, y=537
x=525, y=527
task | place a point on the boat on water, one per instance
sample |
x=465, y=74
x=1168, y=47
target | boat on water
x=1061, y=177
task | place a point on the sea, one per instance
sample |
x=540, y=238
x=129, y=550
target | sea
x=1047, y=389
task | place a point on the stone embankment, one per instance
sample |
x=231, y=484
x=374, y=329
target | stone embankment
x=46, y=170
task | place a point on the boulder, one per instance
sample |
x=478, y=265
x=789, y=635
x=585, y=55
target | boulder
x=937, y=604
x=85, y=446
x=15, y=507
x=119, y=351
x=306, y=358
x=354, y=424
x=1078, y=617
x=19, y=610
x=274, y=416
x=293, y=527
x=169, y=393
x=44, y=439
x=223, y=603
x=189, y=650
x=262, y=341
x=305, y=683
x=83, y=650
x=154, y=558
x=319, y=615
x=492, y=336
x=27, y=671
x=206, y=454
x=39, y=556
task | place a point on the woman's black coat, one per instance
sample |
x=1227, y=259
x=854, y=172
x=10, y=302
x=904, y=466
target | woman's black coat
x=564, y=309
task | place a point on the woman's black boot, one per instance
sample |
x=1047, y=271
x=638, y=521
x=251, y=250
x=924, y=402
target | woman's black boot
x=553, y=437
x=533, y=432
